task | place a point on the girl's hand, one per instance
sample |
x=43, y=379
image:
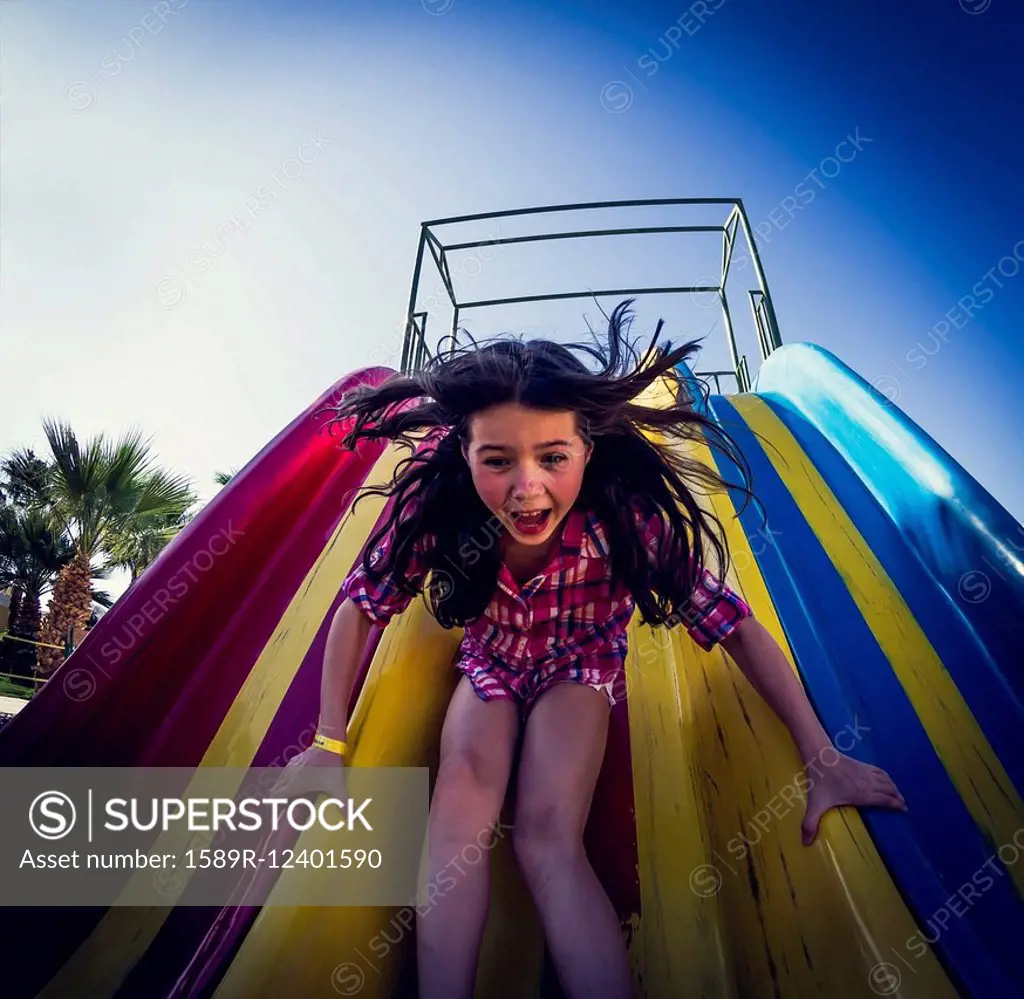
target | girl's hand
x=313, y=771
x=847, y=782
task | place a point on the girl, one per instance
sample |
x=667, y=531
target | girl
x=561, y=517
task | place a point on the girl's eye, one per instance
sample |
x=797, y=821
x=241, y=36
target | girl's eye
x=551, y=459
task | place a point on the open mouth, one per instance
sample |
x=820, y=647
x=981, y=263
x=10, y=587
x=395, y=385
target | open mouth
x=531, y=521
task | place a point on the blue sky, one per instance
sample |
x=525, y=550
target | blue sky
x=134, y=132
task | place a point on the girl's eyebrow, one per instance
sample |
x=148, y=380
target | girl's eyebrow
x=536, y=447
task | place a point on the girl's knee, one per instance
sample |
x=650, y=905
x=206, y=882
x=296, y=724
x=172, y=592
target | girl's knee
x=470, y=766
x=545, y=839
x=467, y=798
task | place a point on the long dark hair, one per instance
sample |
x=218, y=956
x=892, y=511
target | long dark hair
x=434, y=492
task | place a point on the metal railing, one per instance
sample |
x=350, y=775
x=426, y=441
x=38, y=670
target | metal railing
x=736, y=225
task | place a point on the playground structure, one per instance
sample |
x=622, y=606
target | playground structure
x=884, y=571
x=735, y=226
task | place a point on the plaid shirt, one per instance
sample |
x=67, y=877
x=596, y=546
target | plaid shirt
x=570, y=616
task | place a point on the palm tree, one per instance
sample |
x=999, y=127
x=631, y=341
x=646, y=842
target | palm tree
x=223, y=478
x=32, y=554
x=25, y=478
x=136, y=544
x=99, y=493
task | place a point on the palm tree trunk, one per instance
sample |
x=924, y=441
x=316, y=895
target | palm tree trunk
x=70, y=607
x=23, y=655
x=17, y=595
x=8, y=649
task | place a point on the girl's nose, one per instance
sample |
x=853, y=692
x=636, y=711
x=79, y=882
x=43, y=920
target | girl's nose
x=526, y=486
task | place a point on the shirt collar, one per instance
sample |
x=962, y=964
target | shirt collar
x=584, y=534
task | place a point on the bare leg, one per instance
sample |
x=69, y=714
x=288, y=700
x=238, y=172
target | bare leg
x=562, y=754
x=477, y=745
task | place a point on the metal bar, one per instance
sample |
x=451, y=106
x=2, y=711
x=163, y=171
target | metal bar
x=642, y=203
x=421, y=347
x=776, y=340
x=455, y=326
x=728, y=244
x=437, y=251
x=407, y=341
x=725, y=256
x=583, y=233
x=731, y=219
x=446, y=277
x=425, y=351
x=752, y=294
x=760, y=321
x=414, y=342
x=433, y=238
x=764, y=327
x=729, y=331
x=421, y=324
x=585, y=294
x=28, y=641
x=31, y=679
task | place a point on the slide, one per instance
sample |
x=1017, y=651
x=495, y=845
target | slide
x=889, y=577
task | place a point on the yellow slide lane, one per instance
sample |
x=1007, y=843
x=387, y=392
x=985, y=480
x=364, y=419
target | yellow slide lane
x=732, y=903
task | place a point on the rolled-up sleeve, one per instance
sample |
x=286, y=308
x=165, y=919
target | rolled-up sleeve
x=381, y=601
x=715, y=611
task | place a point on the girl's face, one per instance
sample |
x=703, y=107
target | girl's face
x=527, y=465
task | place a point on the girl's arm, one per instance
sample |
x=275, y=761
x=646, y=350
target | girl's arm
x=318, y=769
x=346, y=641
x=765, y=665
x=365, y=603
x=719, y=615
x=833, y=779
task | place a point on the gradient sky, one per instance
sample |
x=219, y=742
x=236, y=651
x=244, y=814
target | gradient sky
x=132, y=131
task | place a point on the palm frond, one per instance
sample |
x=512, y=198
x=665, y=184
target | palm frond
x=103, y=569
x=33, y=549
x=28, y=478
x=135, y=544
x=102, y=598
x=127, y=462
x=79, y=491
x=164, y=493
x=73, y=472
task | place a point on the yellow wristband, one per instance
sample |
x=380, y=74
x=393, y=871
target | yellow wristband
x=331, y=745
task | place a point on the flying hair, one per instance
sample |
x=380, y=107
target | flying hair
x=428, y=412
